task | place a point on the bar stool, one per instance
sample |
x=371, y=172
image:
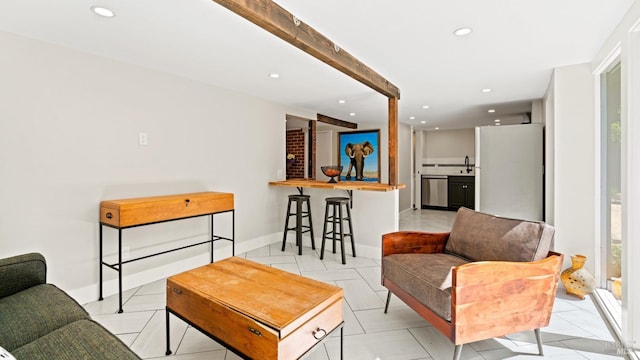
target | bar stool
x=298, y=228
x=336, y=219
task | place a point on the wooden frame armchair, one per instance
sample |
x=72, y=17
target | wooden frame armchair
x=486, y=298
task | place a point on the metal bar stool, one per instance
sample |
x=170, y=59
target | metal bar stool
x=336, y=218
x=298, y=228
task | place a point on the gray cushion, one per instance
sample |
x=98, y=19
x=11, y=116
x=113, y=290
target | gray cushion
x=480, y=237
x=426, y=277
x=83, y=339
x=32, y=313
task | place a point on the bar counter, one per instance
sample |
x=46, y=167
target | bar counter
x=341, y=185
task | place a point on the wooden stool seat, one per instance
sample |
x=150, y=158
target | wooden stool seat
x=299, y=228
x=334, y=215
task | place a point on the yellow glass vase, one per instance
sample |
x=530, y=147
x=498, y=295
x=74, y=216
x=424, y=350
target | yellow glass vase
x=576, y=279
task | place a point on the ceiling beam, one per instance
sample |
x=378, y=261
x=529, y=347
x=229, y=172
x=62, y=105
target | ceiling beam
x=337, y=122
x=278, y=21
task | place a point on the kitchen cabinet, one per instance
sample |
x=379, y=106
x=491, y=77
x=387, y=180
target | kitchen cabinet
x=461, y=192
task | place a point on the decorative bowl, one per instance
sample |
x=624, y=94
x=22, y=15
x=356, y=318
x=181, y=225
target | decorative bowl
x=332, y=172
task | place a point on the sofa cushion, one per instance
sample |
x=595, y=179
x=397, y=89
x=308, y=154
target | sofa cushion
x=83, y=339
x=426, y=277
x=32, y=313
x=480, y=237
x=22, y=272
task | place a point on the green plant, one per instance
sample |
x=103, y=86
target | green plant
x=615, y=260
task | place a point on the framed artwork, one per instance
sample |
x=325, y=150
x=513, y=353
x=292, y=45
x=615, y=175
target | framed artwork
x=359, y=155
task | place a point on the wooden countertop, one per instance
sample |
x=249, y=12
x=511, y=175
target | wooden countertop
x=341, y=185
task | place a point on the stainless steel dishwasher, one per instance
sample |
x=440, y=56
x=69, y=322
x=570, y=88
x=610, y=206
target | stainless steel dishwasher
x=434, y=191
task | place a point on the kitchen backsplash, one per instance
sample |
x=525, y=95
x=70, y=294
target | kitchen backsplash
x=446, y=166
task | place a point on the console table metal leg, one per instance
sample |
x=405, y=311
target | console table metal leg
x=100, y=264
x=120, y=270
x=341, y=342
x=167, y=330
x=212, y=236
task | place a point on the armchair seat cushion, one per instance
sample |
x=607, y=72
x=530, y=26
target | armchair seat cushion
x=426, y=277
x=26, y=317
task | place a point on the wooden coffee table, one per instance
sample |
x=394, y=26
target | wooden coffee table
x=256, y=311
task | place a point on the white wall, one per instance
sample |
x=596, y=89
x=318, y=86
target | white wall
x=571, y=101
x=69, y=125
x=449, y=143
x=448, y=147
x=548, y=104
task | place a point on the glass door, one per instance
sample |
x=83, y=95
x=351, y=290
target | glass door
x=611, y=171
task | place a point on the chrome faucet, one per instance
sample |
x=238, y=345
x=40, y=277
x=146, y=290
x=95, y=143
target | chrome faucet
x=466, y=163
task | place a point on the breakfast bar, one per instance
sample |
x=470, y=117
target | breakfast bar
x=375, y=208
x=349, y=186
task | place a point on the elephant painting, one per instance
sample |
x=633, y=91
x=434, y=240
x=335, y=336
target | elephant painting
x=356, y=154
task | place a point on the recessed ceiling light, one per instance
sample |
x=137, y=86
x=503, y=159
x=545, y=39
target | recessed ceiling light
x=425, y=106
x=342, y=101
x=102, y=11
x=463, y=31
x=412, y=117
x=437, y=128
x=491, y=110
x=497, y=124
x=423, y=122
x=496, y=120
x=352, y=114
x=274, y=75
x=486, y=90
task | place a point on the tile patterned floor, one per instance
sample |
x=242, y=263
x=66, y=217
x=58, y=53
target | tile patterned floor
x=576, y=330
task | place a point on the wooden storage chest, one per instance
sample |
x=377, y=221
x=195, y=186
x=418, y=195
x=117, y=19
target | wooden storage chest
x=258, y=311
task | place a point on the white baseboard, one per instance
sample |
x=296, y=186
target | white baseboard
x=110, y=287
x=129, y=281
x=371, y=252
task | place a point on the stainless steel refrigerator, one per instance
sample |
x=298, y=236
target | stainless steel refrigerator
x=510, y=171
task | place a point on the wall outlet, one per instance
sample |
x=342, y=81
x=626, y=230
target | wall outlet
x=143, y=139
x=125, y=253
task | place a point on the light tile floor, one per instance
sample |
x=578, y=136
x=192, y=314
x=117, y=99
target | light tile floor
x=576, y=330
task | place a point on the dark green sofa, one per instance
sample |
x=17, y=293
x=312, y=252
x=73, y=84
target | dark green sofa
x=40, y=321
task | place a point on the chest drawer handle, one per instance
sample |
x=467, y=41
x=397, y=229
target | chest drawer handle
x=319, y=333
x=109, y=215
x=255, y=332
x=186, y=202
x=177, y=291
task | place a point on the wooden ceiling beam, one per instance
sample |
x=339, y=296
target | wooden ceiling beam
x=278, y=21
x=337, y=122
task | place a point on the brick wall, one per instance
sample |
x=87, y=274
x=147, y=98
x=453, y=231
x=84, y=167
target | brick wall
x=295, y=146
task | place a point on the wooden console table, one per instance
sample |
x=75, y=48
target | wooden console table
x=128, y=213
